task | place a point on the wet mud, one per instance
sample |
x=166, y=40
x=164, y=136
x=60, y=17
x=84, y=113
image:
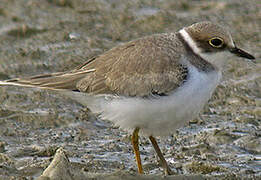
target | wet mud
x=45, y=135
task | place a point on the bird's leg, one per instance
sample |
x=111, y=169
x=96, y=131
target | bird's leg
x=159, y=153
x=135, y=144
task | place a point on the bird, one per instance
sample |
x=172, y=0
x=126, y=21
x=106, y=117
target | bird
x=148, y=86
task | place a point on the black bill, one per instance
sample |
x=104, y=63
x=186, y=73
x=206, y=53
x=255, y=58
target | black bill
x=241, y=53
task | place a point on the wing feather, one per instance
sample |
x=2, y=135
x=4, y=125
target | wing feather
x=61, y=80
x=138, y=68
x=146, y=66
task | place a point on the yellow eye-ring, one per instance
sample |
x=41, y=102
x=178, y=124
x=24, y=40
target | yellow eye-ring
x=216, y=42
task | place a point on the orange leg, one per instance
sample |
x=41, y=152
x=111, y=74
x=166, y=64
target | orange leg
x=159, y=153
x=135, y=144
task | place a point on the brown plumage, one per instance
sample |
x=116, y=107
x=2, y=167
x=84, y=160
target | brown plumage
x=188, y=60
x=142, y=67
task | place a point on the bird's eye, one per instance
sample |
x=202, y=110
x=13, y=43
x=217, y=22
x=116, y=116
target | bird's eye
x=216, y=42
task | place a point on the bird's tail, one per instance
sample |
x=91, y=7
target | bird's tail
x=61, y=80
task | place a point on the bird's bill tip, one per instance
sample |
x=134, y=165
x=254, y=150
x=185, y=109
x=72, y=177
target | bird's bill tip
x=241, y=53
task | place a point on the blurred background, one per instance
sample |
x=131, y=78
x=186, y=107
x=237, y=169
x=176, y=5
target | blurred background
x=56, y=35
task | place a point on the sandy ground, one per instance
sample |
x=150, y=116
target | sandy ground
x=47, y=136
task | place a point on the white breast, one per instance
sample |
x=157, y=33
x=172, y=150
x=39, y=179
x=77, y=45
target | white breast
x=159, y=116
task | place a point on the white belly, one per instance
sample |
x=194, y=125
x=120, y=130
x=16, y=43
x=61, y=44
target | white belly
x=159, y=116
